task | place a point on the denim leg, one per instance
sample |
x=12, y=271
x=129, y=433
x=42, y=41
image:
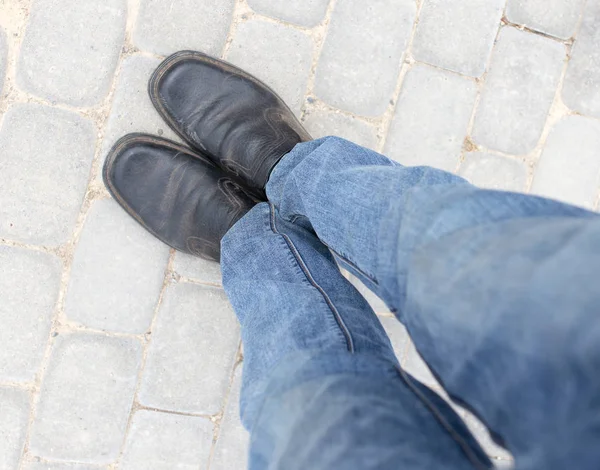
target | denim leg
x=321, y=386
x=498, y=290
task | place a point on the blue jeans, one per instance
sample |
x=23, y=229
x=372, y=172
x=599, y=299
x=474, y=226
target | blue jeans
x=500, y=293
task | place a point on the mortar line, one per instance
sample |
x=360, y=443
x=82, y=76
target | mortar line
x=240, y=9
x=388, y=116
x=556, y=113
x=53, y=250
x=19, y=96
x=127, y=49
x=27, y=386
x=442, y=69
x=503, y=12
x=135, y=405
x=527, y=29
x=317, y=104
x=218, y=421
x=499, y=153
x=270, y=19
x=405, y=66
x=36, y=458
x=36, y=390
x=133, y=11
x=69, y=327
x=568, y=41
x=205, y=416
x=318, y=36
x=197, y=282
x=99, y=118
x=580, y=20
x=469, y=144
x=572, y=112
x=148, y=54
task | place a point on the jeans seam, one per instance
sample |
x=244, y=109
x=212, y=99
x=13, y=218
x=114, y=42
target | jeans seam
x=370, y=277
x=300, y=262
x=292, y=219
x=454, y=435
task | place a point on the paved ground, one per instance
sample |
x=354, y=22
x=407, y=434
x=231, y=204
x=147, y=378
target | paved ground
x=115, y=352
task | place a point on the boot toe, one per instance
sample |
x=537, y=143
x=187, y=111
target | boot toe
x=182, y=198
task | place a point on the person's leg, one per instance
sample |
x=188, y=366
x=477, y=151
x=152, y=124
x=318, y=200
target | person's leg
x=322, y=388
x=498, y=290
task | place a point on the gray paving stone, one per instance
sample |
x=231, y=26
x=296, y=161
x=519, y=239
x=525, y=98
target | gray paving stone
x=518, y=92
x=569, y=168
x=195, y=323
x=398, y=336
x=117, y=273
x=166, y=441
x=483, y=436
x=362, y=54
x=86, y=397
x=557, y=18
x=322, y=123
x=231, y=450
x=166, y=26
x=581, y=91
x=431, y=118
x=197, y=268
x=14, y=409
x=49, y=465
x=416, y=367
x=457, y=35
x=46, y=160
x=375, y=302
x=303, y=12
x=62, y=58
x=494, y=172
x=279, y=55
x=3, y=56
x=29, y=282
x=132, y=110
x=504, y=464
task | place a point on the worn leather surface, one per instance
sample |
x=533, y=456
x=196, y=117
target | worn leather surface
x=234, y=118
x=182, y=198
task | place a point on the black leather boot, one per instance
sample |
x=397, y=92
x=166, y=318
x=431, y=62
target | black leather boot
x=228, y=114
x=182, y=198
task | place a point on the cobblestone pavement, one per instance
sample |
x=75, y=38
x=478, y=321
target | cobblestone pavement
x=116, y=352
